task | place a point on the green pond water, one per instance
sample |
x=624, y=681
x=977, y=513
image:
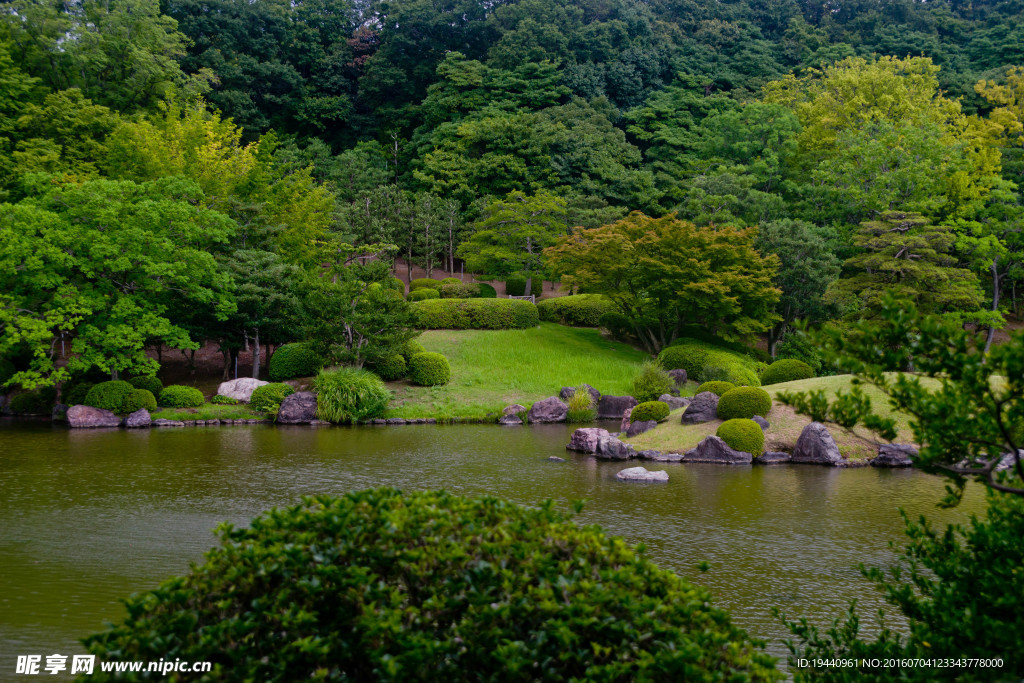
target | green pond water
x=88, y=517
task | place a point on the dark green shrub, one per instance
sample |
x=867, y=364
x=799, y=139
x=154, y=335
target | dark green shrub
x=450, y=281
x=411, y=348
x=475, y=314
x=617, y=324
x=145, y=399
x=713, y=373
x=347, y=395
x=150, y=383
x=294, y=360
x=515, y=285
x=786, y=370
x=391, y=367
x=38, y=402
x=715, y=387
x=429, y=369
x=430, y=586
x=651, y=383
x=424, y=293
x=581, y=407
x=117, y=396
x=689, y=358
x=650, y=410
x=694, y=356
x=7, y=371
x=459, y=291
x=581, y=310
x=396, y=285
x=744, y=402
x=487, y=291
x=181, y=396
x=798, y=346
x=75, y=396
x=219, y=400
x=424, y=282
x=743, y=435
x=267, y=398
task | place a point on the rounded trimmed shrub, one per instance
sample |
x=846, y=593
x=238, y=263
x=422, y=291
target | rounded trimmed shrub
x=743, y=435
x=145, y=399
x=695, y=356
x=117, y=396
x=450, y=281
x=347, y=395
x=459, y=589
x=429, y=369
x=267, y=398
x=76, y=394
x=181, y=396
x=650, y=410
x=715, y=387
x=459, y=290
x=487, y=291
x=411, y=348
x=219, y=400
x=150, y=383
x=427, y=282
x=651, y=383
x=293, y=360
x=580, y=310
x=424, y=293
x=395, y=284
x=391, y=367
x=786, y=370
x=689, y=358
x=38, y=402
x=745, y=402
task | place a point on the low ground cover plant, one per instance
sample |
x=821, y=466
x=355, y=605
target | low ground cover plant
x=268, y=397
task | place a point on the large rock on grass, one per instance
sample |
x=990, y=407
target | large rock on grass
x=674, y=402
x=514, y=409
x=641, y=474
x=714, y=449
x=761, y=422
x=637, y=428
x=613, y=407
x=679, y=377
x=510, y=419
x=816, y=447
x=298, y=408
x=703, y=408
x=586, y=439
x=549, y=410
x=87, y=417
x=139, y=419
x=568, y=392
x=627, y=419
x=240, y=389
x=894, y=455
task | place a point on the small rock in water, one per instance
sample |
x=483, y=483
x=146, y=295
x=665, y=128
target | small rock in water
x=555, y=458
x=641, y=474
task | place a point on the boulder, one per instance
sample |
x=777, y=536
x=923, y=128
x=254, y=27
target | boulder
x=658, y=456
x=613, y=407
x=240, y=389
x=555, y=458
x=636, y=428
x=641, y=474
x=679, y=377
x=894, y=455
x=816, y=447
x=510, y=419
x=567, y=392
x=548, y=410
x=297, y=408
x=610, y=448
x=674, y=402
x=714, y=449
x=177, y=423
x=772, y=458
x=514, y=409
x=87, y=417
x=762, y=423
x=703, y=408
x=585, y=439
x=627, y=419
x=140, y=418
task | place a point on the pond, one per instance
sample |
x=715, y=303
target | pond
x=88, y=517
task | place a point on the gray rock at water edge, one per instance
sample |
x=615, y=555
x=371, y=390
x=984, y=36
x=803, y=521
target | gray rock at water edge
x=395, y=421
x=240, y=389
x=59, y=412
x=714, y=449
x=613, y=407
x=679, y=377
x=894, y=455
x=431, y=420
x=637, y=428
x=380, y=421
x=568, y=392
x=586, y=439
x=674, y=402
x=177, y=423
x=816, y=447
x=1008, y=461
x=87, y=417
x=772, y=458
x=610, y=448
x=641, y=474
x=658, y=456
x=549, y=410
x=627, y=419
x=297, y=408
x=510, y=419
x=762, y=423
x=555, y=458
x=140, y=418
x=703, y=408
x=514, y=409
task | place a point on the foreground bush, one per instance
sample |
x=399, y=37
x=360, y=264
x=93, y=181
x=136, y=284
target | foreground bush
x=429, y=369
x=293, y=360
x=743, y=435
x=651, y=383
x=117, y=396
x=786, y=370
x=650, y=410
x=268, y=398
x=581, y=310
x=426, y=586
x=717, y=388
x=475, y=314
x=180, y=396
x=347, y=395
x=744, y=402
x=148, y=382
x=694, y=356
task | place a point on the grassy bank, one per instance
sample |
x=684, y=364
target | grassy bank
x=208, y=411
x=786, y=425
x=491, y=369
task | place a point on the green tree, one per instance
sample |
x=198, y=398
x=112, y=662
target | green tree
x=666, y=273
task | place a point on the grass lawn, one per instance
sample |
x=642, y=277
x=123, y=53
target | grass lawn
x=208, y=411
x=672, y=437
x=493, y=368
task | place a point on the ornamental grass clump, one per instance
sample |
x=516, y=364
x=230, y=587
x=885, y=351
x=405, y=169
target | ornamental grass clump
x=430, y=586
x=742, y=435
x=581, y=406
x=347, y=395
x=651, y=383
x=268, y=397
x=744, y=402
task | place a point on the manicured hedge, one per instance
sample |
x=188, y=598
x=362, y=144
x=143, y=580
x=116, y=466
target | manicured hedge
x=117, y=396
x=150, y=383
x=450, y=281
x=786, y=370
x=424, y=293
x=650, y=410
x=391, y=367
x=459, y=290
x=744, y=402
x=424, y=282
x=743, y=435
x=581, y=310
x=293, y=360
x=429, y=369
x=475, y=314
x=516, y=286
x=180, y=396
x=693, y=356
x=715, y=387
x=267, y=398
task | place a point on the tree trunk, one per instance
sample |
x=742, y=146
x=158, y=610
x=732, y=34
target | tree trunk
x=192, y=361
x=995, y=302
x=775, y=336
x=226, y=353
x=256, y=354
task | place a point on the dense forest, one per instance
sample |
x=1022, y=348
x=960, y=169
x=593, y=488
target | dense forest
x=169, y=171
